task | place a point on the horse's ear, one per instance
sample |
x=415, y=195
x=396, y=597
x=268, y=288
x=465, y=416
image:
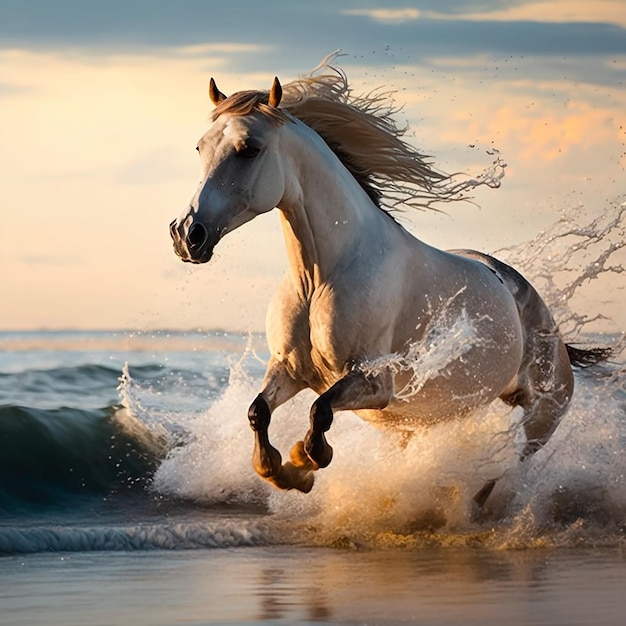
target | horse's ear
x=215, y=94
x=276, y=93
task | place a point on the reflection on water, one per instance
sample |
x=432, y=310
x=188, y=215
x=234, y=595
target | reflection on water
x=303, y=585
x=446, y=586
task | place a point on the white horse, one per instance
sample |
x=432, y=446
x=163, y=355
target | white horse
x=359, y=286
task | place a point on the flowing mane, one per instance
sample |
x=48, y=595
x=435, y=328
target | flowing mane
x=361, y=131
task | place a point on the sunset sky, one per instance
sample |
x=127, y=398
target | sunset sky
x=101, y=105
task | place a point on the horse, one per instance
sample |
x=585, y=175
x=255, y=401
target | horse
x=360, y=287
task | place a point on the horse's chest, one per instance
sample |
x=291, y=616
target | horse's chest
x=332, y=340
x=324, y=334
x=323, y=356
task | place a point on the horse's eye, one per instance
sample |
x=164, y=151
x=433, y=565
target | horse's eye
x=248, y=152
x=197, y=148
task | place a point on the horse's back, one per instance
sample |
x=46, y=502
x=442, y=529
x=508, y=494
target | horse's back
x=524, y=293
x=533, y=311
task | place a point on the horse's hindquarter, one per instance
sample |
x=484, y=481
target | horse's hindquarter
x=459, y=341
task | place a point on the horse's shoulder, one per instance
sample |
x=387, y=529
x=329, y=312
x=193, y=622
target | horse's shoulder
x=287, y=319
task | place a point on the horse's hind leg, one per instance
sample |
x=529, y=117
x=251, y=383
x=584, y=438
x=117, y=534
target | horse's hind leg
x=547, y=384
x=543, y=409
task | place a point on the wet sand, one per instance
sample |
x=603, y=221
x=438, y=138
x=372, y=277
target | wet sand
x=291, y=585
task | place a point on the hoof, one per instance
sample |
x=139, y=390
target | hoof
x=300, y=458
x=304, y=481
x=480, y=497
x=292, y=477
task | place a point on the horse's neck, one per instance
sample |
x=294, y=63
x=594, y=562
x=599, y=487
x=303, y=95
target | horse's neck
x=325, y=213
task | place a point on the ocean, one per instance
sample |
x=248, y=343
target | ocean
x=127, y=496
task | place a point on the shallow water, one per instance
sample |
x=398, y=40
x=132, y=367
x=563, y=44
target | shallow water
x=288, y=585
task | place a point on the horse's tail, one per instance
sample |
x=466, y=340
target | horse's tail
x=586, y=357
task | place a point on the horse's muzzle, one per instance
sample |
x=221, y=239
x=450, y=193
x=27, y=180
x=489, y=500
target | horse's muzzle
x=194, y=246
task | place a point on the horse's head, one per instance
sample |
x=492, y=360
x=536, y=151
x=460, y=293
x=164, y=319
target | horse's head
x=242, y=175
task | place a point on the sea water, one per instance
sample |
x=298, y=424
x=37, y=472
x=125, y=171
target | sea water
x=127, y=496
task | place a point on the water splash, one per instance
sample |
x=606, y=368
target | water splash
x=212, y=463
x=379, y=491
x=573, y=253
x=143, y=422
x=491, y=176
x=446, y=338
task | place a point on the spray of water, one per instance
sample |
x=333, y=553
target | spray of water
x=446, y=338
x=573, y=253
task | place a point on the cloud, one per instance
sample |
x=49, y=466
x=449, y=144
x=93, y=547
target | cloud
x=301, y=33
x=537, y=11
x=531, y=73
x=552, y=11
x=208, y=49
x=8, y=90
x=389, y=16
x=543, y=135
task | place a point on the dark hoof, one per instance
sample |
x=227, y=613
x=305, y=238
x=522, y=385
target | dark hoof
x=480, y=497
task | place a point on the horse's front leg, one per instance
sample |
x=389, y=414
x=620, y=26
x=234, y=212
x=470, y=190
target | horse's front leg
x=356, y=390
x=278, y=387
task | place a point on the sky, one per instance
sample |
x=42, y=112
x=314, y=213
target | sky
x=101, y=105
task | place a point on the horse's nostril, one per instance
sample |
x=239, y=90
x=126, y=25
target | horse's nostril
x=197, y=236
